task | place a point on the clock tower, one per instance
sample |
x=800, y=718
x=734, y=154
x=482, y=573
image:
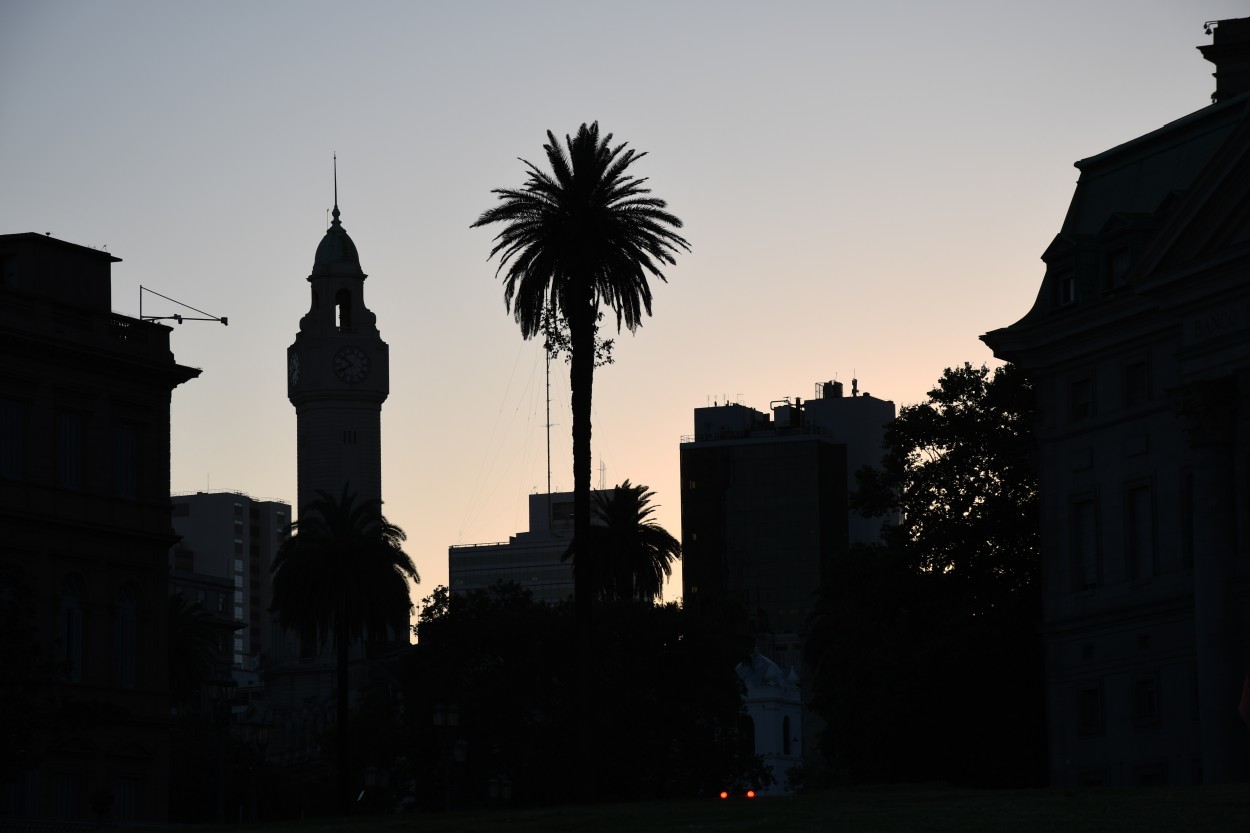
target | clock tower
x=337, y=378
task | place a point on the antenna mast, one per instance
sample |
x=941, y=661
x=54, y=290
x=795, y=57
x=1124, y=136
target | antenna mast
x=176, y=317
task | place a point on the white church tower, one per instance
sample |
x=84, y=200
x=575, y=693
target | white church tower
x=338, y=375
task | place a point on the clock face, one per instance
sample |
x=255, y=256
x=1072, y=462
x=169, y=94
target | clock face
x=351, y=364
x=292, y=368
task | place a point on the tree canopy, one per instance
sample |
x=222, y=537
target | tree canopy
x=925, y=649
x=960, y=467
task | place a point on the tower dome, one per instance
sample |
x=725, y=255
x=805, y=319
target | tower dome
x=336, y=247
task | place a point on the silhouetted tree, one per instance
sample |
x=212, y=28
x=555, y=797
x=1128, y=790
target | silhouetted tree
x=628, y=553
x=584, y=236
x=926, y=656
x=343, y=573
x=961, y=469
x=665, y=720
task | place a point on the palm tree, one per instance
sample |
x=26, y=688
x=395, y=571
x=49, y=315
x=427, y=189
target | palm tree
x=629, y=554
x=584, y=235
x=343, y=572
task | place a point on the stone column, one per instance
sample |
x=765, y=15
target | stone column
x=1209, y=411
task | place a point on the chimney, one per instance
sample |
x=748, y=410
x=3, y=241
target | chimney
x=1229, y=50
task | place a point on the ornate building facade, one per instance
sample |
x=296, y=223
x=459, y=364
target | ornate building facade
x=86, y=531
x=1139, y=348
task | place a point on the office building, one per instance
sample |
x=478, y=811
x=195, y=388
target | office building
x=233, y=538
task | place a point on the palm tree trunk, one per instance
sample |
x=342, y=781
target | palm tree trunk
x=581, y=378
x=342, y=646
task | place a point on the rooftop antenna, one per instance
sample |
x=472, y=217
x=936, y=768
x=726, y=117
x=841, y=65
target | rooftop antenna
x=176, y=317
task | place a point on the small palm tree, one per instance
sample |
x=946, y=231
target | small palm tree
x=343, y=573
x=584, y=235
x=629, y=555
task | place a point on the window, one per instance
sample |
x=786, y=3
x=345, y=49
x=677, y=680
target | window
x=1116, y=265
x=68, y=789
x=1080, y=399
x=69, y=450
x=69, y=627
x=1065, y=289
x=127, y=638
x=1187, y=517
x=1145, y=700
x=746, y=734
x=1139, y=531
x=343, y=309
x=1136, y=384
x=1086, y=552
x=126, y=459
x=12, y=439
x=785, y=736
x=1089, y=710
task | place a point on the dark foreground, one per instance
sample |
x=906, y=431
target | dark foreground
x=868, y=809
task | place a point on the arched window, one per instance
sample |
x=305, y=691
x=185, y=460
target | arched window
x=746, y=734
x=126, y=650
x=343, y=309
x=69, y=630
x=785, y=735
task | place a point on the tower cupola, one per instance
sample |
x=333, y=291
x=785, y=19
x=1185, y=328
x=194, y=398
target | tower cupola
x=336, y=249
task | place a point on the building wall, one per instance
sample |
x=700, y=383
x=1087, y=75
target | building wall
x=1137, y=346
x=84, y=508
x=532, y=559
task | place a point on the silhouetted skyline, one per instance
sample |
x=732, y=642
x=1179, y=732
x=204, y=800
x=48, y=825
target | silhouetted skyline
x=866, y=191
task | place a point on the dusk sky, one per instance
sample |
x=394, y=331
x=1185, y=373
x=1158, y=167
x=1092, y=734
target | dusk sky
x=866, y=187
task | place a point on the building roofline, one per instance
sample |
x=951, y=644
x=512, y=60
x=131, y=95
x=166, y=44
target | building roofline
x=30, y=236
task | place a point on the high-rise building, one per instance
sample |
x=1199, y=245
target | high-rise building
x=1137, y=347
x=764, y=503
x=229, y=537
x=84, y=509
x=764, y=512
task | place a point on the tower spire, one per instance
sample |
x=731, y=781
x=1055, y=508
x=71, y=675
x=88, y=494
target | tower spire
x=335, y=212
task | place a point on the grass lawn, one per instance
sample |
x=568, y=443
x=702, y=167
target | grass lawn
x=855, y=810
